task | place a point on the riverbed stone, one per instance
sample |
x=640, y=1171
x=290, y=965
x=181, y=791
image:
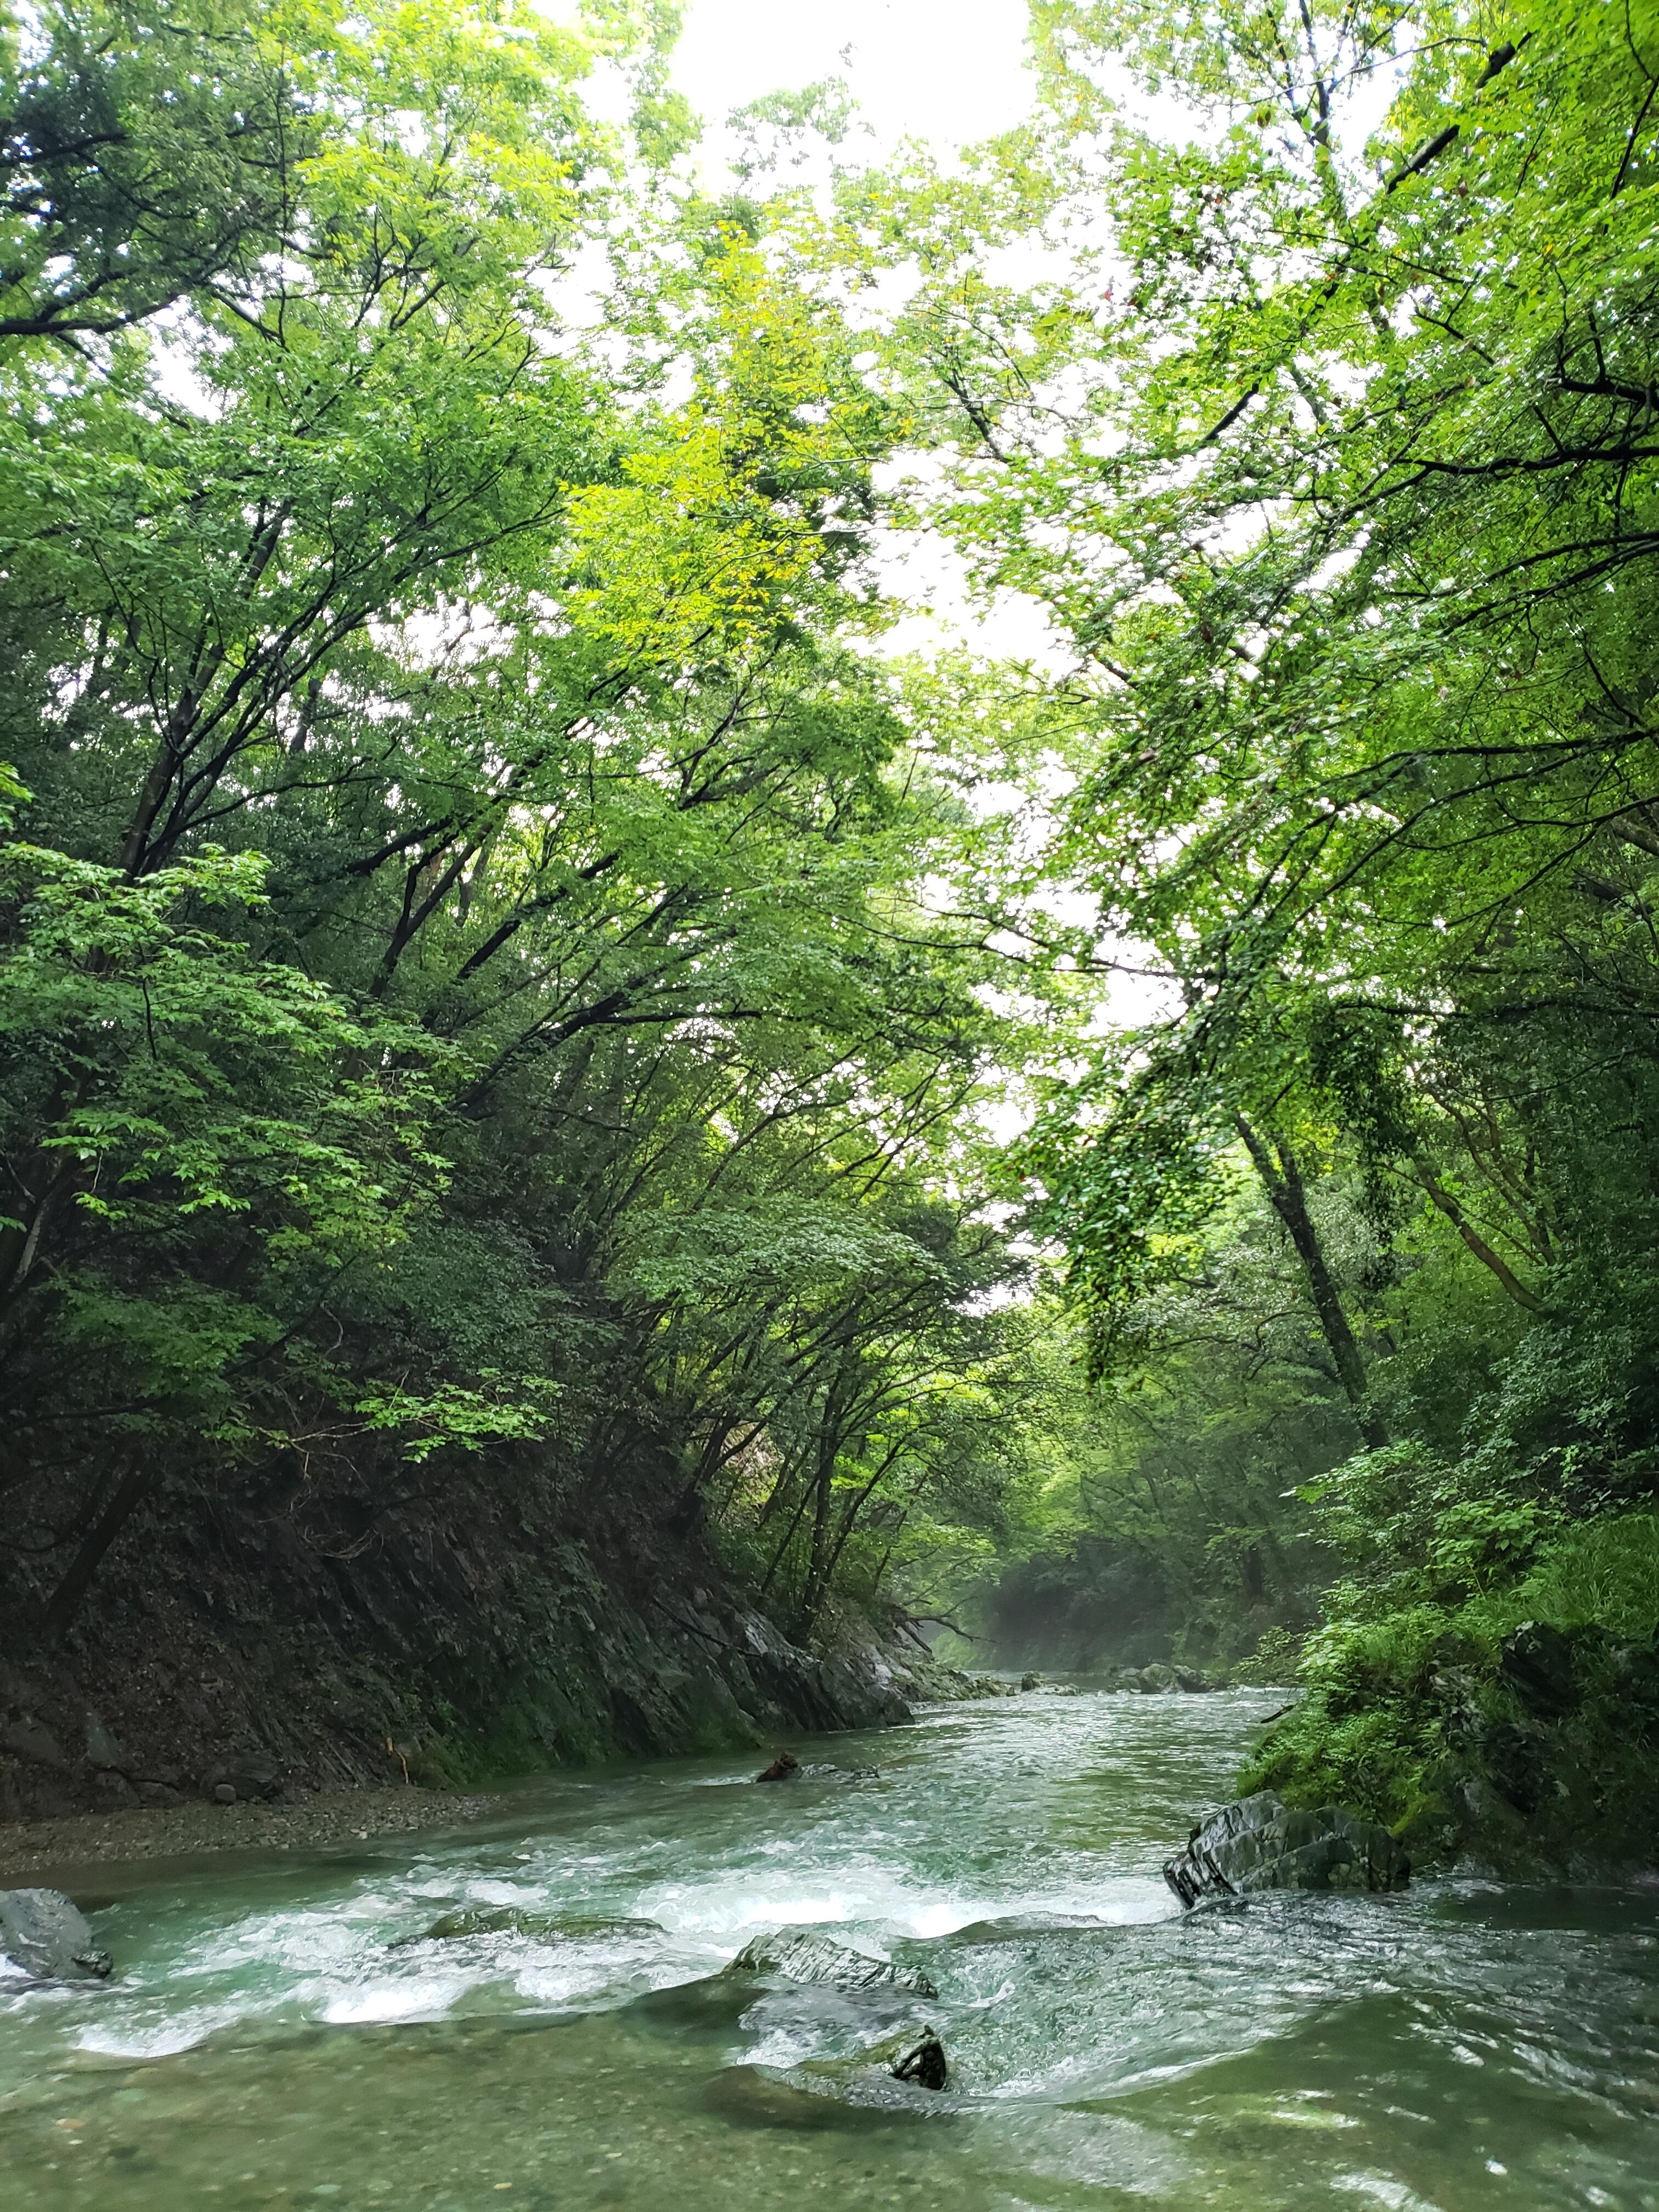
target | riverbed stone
x=1260, y=1842
x=469, y=1921
x=42, y=1932
x=926, y=2065
x=251, y=1774
x=799, y=1956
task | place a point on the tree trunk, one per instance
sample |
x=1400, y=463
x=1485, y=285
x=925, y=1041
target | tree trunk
x=1442, y=1198
x=65, y=1600
x=817, y=1558
x=1282, y=1180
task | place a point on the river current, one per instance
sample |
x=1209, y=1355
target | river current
x=283, y=2031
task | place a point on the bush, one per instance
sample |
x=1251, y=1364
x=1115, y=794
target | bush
x=1405, y=1709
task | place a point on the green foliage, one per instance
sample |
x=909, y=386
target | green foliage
x=1323, y=435
x=1395, y=1702
x=1605, y=1572
x=497, y=968
x=472, y=979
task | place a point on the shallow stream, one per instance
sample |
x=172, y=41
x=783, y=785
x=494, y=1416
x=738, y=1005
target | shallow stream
x=280, y=2031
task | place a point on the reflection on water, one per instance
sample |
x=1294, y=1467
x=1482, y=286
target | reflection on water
x=289, y=2031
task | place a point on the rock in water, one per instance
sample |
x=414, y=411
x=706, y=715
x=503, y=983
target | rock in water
x=42, y=1932
x=802, y=1958
x=1259, y=1844
x=469, y=1921
x=782, y=1767
x=925, y=2065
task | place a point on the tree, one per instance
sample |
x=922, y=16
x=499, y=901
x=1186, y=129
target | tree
x=474, y=994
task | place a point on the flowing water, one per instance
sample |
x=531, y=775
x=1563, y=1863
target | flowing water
x=283, y=2031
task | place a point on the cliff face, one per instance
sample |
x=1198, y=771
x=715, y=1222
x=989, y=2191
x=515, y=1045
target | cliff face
x=225, y=1648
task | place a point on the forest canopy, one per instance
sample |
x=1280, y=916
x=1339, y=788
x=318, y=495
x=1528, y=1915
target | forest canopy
x=1324, y=432
x=501, y=964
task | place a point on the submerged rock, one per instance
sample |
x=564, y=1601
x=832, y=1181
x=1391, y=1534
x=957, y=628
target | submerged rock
x=925, y=2065
x=800, y=1957
x=783, y=1768
x=515, y=1920
x=989, y=1686
x=42, y=1932
x=1260, y=1844
x=753, y=2097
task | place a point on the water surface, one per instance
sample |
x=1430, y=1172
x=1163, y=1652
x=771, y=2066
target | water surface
x=283, y=2032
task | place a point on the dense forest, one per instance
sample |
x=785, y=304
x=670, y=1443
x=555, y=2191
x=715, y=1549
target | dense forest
x=544, y=1057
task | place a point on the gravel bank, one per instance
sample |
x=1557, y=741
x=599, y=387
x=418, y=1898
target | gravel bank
x=30, y=1849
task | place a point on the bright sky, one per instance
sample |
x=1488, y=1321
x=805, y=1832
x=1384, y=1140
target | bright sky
x=949, y=70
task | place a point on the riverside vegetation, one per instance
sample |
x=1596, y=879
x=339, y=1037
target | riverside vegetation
x=513, y=998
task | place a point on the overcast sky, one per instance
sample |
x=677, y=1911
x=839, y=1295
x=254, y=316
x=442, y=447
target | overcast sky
x=949, y=70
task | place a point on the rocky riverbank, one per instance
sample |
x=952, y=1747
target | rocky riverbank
x=232, y=1660
x=31, y=1851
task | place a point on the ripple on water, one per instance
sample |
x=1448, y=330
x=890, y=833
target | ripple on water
x=289, y=2031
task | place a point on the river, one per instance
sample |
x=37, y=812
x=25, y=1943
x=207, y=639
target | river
x=272, y=2037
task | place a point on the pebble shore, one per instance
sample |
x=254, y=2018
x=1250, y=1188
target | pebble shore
x=32, y=1849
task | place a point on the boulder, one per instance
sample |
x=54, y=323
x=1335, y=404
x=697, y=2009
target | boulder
x=247, y=1775
x=1516, y=1762
x=515, y=1920
x=1260, y=1844
x=103, y=1751
x=799, y=1956
x=28, y=1739
x=1635, y=1676
x=988, y=1686
x=1156, y=1678
x=1540, y=1662
x=46, y=1935
x=925, y=2065
x=1030, y=1682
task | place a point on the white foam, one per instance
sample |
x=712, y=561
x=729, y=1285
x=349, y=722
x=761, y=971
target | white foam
x=736, y=1909
x=163, y=2038
x=427, y=1998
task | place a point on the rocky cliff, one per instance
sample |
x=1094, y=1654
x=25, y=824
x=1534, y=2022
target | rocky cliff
x=228, y=1650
